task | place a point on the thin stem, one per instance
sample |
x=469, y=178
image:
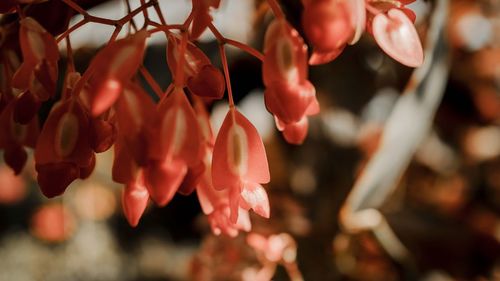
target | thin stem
x=223, y=58
x=151, y=81
x=71, y=29
x=275, y=7
x=234, y=43
x=75, y=7
x=118, y=28
x=216, y=33
x=69, y=54
x=157, y=8
x=179, y=72
x=245, y=48
x=132, y=21
x=145, y=13
x=136, y=11
x=164, y=28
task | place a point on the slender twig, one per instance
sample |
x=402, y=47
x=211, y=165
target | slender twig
x=223, y=58
x=275, y=7
x=151, y=81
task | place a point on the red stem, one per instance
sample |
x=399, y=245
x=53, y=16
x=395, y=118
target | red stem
x=223, y=58
x=151, y=81
x=275, y=7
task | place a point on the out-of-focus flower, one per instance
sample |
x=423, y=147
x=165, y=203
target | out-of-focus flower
x=53, y=223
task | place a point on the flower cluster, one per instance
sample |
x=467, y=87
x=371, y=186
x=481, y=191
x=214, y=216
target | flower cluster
x=169, y=147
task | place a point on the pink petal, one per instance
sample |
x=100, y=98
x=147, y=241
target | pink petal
x=396, y=35
x=319, y=57
x=163, y=180
x=254, y=197
x=135, y=198
x=239, y=153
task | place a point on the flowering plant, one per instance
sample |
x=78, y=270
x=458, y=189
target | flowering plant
x=168, y=147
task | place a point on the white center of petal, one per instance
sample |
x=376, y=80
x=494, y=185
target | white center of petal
x=237, y=150
x=286, y=60
x=133, y=106
x=119, y=59
x=36, y=43
x=66, y=134
x=174, y=130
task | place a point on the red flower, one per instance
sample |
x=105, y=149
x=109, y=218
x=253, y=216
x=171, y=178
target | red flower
x=177, y=146
x=63, y=152
x=289, y=95
x=240, y=164
x=37, y=75
x=112, y=69
x=396, y=35
x=14, y=136
x=200, y=76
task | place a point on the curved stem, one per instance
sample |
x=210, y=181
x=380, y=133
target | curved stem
x=223, y=58
x=151, y=81
x=245, y=48
x=275, y=7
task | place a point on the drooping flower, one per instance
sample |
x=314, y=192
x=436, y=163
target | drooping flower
x=289, y=96
x=200, y=76
x=112, y=69
x=177, y=146
x=14, y=137
x=328, y=25
x=332, y=24
x=396, y=35
x=239, y=164
x=37, y=75
x=63, y=152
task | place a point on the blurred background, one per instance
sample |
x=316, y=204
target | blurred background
x=445, y=208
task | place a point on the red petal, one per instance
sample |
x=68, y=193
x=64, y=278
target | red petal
x=23, y=76
x=238, y=153
x=195, y=59
x=54, y=178
x=285, y=55
x=102, y=134
x=124, y=167
x=137, y=122
x=208, y=83
x=135, y=198
x=397, y=36
x=180, y=134
x=114, y=66
x=192, y=179
x=328, y=24
x=36, y=43
x=65, y=135
x=45, y=75
x=318, y=57
x=294, y=133
x=289, y=102
x=163, y=180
